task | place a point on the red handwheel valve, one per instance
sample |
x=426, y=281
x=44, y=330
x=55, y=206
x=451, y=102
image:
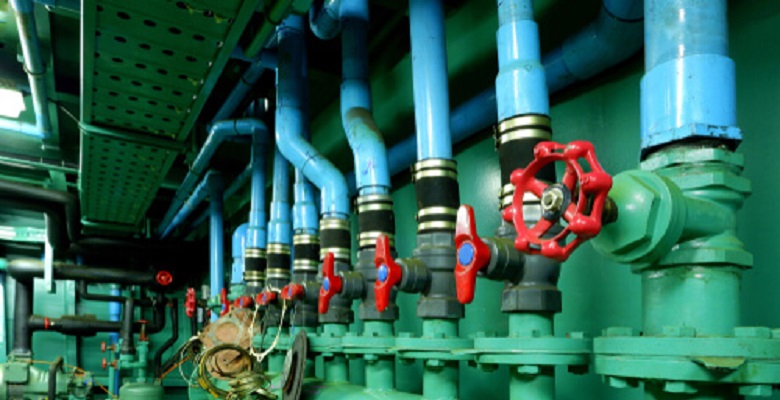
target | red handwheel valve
x=388, y=273
x=579, y=199
x=473, y=254
x=331, y=283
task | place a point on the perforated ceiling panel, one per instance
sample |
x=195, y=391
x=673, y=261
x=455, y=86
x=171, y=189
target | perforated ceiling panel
x=148, y=67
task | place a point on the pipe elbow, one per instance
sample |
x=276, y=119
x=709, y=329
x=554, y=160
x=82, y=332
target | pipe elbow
x=324, y=19
x=368, y=147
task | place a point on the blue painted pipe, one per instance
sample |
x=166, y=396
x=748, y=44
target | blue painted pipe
x=234, y=187
x=429, y=79
x=291, y=121
x=115, y=315
x=305, y=215
x=364, y=137
x=324, y=19
x=238, y=244
x=33, y=64
x=216, y=227
x=280, y=224
x=256, y=233
x=521, y=85
x=218, y=132
x=689, y=87
x=266, y=60
x=198, y=195
x=613, y=37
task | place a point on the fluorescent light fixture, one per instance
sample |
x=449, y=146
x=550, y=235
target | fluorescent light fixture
x=11, y=103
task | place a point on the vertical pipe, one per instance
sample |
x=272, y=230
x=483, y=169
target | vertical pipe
x=114, y=314
x=279, y=225
x=521, y=85
x=23, y=306
x=537, y=385
x=256, y=232
x=3, y=326
x=305, y=220
x=690, y=78
x=336, y=367
x=429, y=79
x=216, y=268
x=380, y=373
x=238, y=244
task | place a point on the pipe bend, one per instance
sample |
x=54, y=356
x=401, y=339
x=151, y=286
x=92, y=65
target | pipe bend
x=324, y=19
x=368, y=147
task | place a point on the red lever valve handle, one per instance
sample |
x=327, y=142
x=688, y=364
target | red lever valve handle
x=388, y=273
x=579, y=200
x=265, y=298
x=331, y=283
x=292, y=292
x=223, y=297
x=473, y=254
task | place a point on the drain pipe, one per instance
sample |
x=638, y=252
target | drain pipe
x=218, y=133
x=374, y=203
x=254, y=253
x=429, y=270
x=33, y=65
x=334, y=224
x=612, y=38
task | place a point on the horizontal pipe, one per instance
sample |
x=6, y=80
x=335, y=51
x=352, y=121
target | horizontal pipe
x=27, y=269
x=15, y=160
x=46, y=198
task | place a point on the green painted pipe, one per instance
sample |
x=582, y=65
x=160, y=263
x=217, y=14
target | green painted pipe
x=440, y=378
x=317, y=390
x=336, y=366
x=380, y=370
x=530, y=381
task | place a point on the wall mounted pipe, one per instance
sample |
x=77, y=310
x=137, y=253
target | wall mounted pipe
x=364, y=137
x=690, y=40
x=218, y=132
x=238, y=244
x=612, y=38
x=33, y=64
x=324, y=19
x=429, y=77
x=290, y=116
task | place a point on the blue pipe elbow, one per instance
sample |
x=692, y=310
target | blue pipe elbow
x=368, y=147
x=291, y=122
x=429, y=79
x=324, y=18
x=238, y=244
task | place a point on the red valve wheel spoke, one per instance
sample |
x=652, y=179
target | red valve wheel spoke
x=584, y=188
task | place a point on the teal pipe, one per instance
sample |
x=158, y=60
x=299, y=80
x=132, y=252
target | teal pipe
x=336, y=368
x=531, y=382
x=380, y=372
x=317, y=390
x=440, y=378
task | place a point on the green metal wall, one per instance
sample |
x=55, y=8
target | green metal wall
x=597, y=293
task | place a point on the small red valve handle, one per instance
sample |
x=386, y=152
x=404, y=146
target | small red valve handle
x=331, y=283
x=142, y=335
x=472, y=256
x=388, y=273
x=164, y=278
x=104, y=364
x=293, y=292
x=587, y=191
x=190, y=303
x=265, y=298
x=243, y=302
x=223, y=297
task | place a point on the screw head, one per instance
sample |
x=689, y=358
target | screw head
x=552, y=199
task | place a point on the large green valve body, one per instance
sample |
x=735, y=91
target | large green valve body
x=146, y=391
x=21, y=380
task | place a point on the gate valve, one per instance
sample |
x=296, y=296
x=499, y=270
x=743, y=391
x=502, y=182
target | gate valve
x=190, y=303
x=579, y=200
x=473, y=254
x=265, y=298
x=388, y=273
x=223, y=297
x=243, y=302
x=331, y=283
x=293, y=291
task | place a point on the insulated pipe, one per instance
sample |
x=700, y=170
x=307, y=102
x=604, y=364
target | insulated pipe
x=49, y=198
x=126, y=332
x=280, y=223
x=218, y=133
x=324, y=19
x=429, y=78
x=33, y=64
x=238, y=244
x=27, y=269
x=216, y=245
x=173, y=306
x=690, y=79
x=22, y=311
x=364, y=137
x=290, y=105
x=612, y=38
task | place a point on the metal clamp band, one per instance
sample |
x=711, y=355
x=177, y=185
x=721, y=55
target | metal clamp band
x=522, y=121
x=435, y=173
x=306, y=239
x=435, y=163
x=338, y=252
x=374, y=207
x=334, y=223
x=279, y=273
x=439, y=210
x=305, y=265
x=278, y=248
x=367, y=239
x=254, y=275
x=529, y=133
x=374, y=198
x=254, y=253
x=435, y=225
